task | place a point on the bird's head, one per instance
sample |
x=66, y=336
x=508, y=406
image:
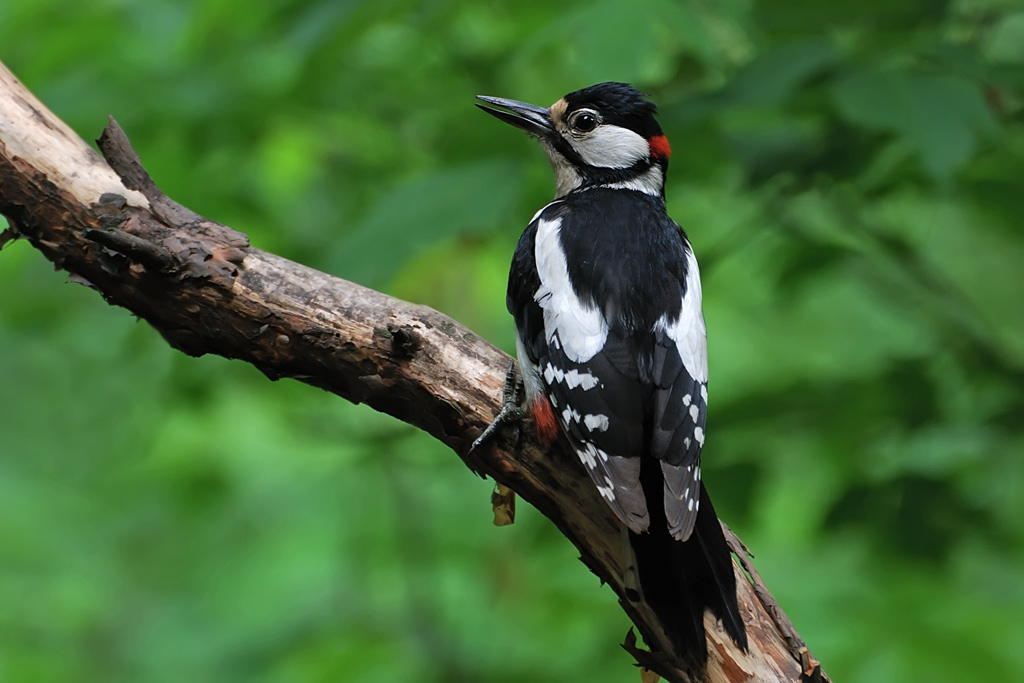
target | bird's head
x=604, y=135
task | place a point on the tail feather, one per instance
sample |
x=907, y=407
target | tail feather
x=682, y=579
x=719, y=559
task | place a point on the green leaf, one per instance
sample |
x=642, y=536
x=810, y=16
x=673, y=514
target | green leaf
x=939, y=117
x=439, y=206
x=775, y=72
x=1005, y=43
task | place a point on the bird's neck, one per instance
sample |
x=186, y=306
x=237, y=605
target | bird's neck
x=647, y=176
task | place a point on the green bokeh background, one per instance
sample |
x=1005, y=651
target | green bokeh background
x=851, y=175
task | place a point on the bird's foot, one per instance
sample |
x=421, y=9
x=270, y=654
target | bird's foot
x=511, y=409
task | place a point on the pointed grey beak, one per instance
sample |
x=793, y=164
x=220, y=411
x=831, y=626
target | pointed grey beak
x=529, y=117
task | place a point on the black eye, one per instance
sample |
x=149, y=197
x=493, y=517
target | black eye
x=584, y=121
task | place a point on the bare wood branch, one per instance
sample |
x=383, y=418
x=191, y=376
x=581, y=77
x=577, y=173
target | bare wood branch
x=207, y=290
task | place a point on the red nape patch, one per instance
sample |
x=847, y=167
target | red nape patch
x=659, y=147
x=545, y=421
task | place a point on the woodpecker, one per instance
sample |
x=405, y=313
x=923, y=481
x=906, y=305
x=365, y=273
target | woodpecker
x=611, y=345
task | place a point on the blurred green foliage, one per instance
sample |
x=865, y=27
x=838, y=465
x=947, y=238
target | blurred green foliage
x=851, y=174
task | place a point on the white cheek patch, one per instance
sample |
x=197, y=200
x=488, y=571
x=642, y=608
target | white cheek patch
x=611, y=147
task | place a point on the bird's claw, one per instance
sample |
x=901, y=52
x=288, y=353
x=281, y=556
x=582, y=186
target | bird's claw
x=512, y=394
x=511, y=410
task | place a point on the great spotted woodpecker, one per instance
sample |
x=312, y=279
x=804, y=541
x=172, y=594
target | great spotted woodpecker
x=606, y=296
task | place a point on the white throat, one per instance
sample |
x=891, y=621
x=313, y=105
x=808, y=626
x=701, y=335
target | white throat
x=567, y=178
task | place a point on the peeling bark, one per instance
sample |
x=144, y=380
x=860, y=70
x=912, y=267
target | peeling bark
x=207, y=290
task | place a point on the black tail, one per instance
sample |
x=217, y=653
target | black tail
x=680, y=580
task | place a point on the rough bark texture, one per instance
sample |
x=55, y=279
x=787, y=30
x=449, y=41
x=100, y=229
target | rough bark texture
x=206, y=290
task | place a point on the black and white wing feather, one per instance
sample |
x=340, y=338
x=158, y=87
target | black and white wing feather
x=681, y=403
x=586, y=371
x=620, y=390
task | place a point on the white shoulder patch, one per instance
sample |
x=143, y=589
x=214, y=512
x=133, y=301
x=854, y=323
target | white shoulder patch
x=543, y=209
x=581, y=329
x=689, y=332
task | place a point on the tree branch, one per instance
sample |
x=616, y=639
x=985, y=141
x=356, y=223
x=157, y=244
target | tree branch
x=206, y=290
